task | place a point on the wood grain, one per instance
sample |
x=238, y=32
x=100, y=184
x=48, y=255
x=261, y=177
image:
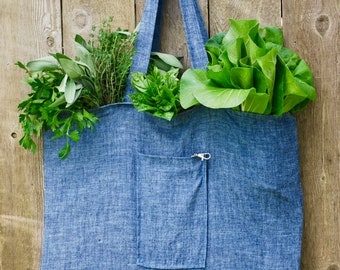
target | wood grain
x=79, y=16
x=268, y=12
x=27, y=32
x=314, y=34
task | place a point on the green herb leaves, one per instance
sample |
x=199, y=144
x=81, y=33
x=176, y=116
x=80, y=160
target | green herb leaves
x=45, y=107
x=157, y=92
x=63, y=89
x=249, y=70
x=112, y=53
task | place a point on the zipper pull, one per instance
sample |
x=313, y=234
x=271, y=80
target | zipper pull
x=202, y=156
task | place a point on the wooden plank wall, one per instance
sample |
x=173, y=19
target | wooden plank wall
x=31, y=29
x=314, y=33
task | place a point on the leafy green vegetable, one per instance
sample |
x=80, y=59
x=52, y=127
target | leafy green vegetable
x=249, y=70
x=157, y=92
x=204, y=91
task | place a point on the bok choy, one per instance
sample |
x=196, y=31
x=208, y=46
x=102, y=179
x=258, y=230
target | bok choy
x=249, y=69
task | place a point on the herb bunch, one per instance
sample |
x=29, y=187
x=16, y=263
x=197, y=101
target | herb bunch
x=64, y=89
x=112, y=52
x=157, y=92
x=45, y=108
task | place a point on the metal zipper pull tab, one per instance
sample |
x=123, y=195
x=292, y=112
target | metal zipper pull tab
x=202, y=156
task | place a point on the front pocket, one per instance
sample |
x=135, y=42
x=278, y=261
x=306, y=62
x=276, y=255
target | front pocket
x=172, y=212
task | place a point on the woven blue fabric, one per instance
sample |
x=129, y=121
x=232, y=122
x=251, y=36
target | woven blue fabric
x=135, y=193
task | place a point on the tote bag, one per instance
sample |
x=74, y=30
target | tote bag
x=211, y=189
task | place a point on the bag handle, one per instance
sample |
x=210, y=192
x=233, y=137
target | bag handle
x=149, y=36
x=195, y=32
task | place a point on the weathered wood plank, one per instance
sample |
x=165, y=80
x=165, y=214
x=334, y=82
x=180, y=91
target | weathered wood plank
x=268, y=12
x=79, y=17
x=314, y=34
x=27, y=32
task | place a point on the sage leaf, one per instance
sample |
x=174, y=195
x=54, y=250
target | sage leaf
x=70, y=91
x=85, y=58
x=43, y=64
x=70, y=67
x=62, y=86
x=169, y=59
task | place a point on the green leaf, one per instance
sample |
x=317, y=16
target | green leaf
x=297, y=82
x=89, y=116
x=213, y=46
x=278, y=92
x=303, y=73
x=271, y=34
x=169, y=59
x=165, y=115
x=63, y=83
x=241, y=77
x=60, y=100
x=43, y=64
x=261, y=82
x=57, y=134
x=189, y=80
x=85, y=58
x=141, y=103
x=139, y=81
x=267, y=65
x=88, y=83
x=64, y=153
x=157, y=93
x=70, y=67
x=253, y=51
x=242, y=29
x=81, y=41
x=256, y=103
x=219, y=75
x=245, y=58
x=70, y=91
x=76, y=96
x=208, y=94
x=21, y=65
x=219, y=72
x=235, y=50
x=221, y=97
x=74, y=135
x=27, y=142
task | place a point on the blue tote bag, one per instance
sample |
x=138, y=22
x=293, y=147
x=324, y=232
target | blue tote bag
x=212, y=189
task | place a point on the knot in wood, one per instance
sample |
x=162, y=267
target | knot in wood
x=50, y=41
x=80, y=18
x=322, y=24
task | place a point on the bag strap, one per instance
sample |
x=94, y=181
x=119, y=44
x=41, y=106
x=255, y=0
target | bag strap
x=149, y=36
x=195, y=32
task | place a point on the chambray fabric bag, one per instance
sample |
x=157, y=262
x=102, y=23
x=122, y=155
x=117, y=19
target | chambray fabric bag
x=211, y=189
